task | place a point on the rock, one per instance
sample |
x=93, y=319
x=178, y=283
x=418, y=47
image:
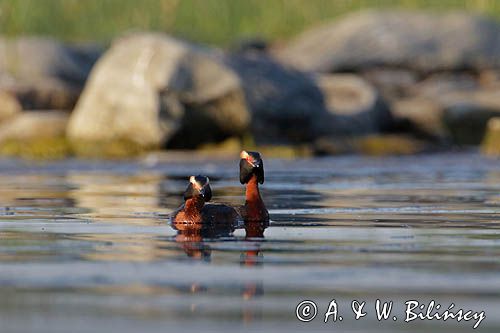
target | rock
x=420, y=116
x=151, y=89
x=489, y=78
x=443, y=85
x=391, y=83
x=213, y=100
x=422, y=41
x=35, y=134
x=457, y=116
x=45, y=95
x=34, y=58
x=9, y=106
x=286, y=104
x=44, y=73
x=491, y=142
x=448, y=107
x=466, y=118
x=354, y=105
x=34, y=125
x=377, y=145
x=291, y=106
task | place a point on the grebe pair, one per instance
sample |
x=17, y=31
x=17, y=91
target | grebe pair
x=198, y=192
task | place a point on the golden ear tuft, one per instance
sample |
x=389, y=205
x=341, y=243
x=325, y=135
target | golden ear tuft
x=243, y=155
x=192, y=180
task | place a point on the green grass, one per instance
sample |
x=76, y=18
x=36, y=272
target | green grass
x=218, y=22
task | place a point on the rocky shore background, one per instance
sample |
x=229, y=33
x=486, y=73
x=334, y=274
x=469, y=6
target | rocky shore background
x=375, y=82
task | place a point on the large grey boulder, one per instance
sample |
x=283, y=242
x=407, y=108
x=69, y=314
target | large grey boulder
x=44, y=73
x=9, y=106
x=419, y=40
x=448, y=107
x=455, y=112
x=422, y=117
x=466, y=115
x=391, y=83
x=34, y=125
x=151, y=89
x=285, y=103
x=420, y=108
x=354, y=106
x=35, y=134
x=290, y=106
x=440, y=86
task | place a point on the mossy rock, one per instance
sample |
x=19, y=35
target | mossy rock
x=286, y=152
x=234, y=145
x=60, y=147
x=491, y=142
x=374, y=145
x=108, y=149
x=389, y=145
x=40, y=149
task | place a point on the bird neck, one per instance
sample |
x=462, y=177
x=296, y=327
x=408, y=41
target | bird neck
x=252, y=192
x=194, y=205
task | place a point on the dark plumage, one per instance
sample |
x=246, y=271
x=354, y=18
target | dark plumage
x=204, y=189
x=251, y=174
x=194, y=209
x=251, y=164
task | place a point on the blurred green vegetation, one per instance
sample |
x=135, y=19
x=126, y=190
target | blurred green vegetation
x=217, y=22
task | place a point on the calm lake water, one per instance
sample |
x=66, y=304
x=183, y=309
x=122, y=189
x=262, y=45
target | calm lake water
x=85, y=246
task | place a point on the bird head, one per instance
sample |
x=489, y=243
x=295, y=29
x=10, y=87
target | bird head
x=198, y=187
x=251, y=164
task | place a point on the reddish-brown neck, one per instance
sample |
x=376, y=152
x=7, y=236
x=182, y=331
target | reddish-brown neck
x=252, y=192
x=194, y=205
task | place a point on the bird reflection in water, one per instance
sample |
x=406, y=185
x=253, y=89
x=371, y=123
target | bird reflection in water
x=194, y=239
x=254, y=234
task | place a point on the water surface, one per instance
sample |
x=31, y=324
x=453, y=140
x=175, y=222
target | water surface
x=85, y=246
